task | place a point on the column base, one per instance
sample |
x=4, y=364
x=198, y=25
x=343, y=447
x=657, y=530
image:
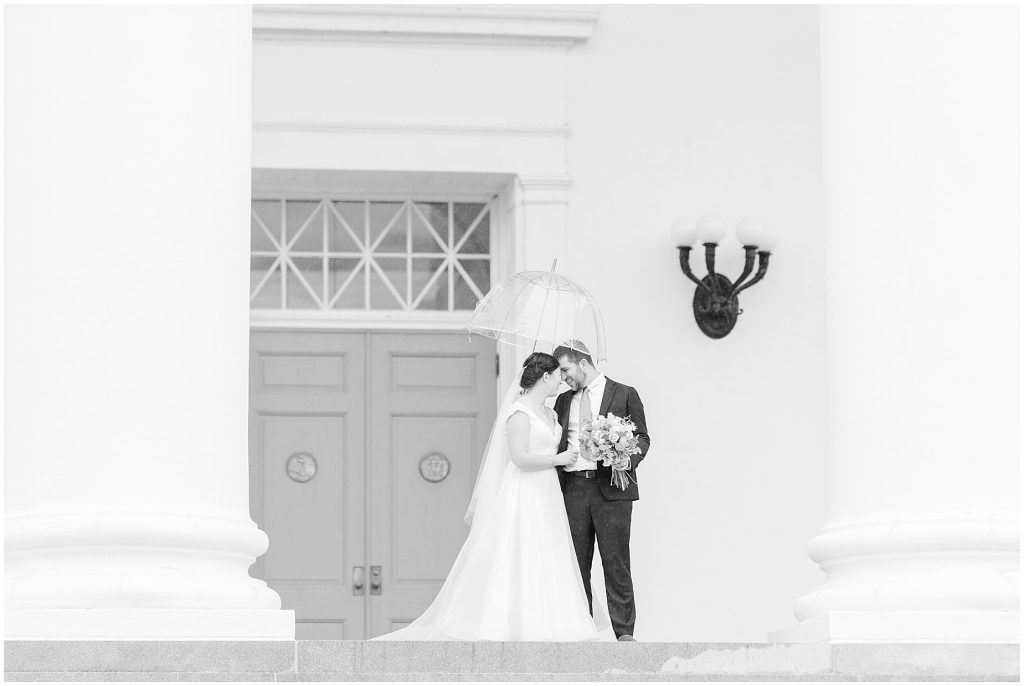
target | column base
x=904, y=627
x=149, y=624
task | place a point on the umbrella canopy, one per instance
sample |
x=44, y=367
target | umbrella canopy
x=541, y=310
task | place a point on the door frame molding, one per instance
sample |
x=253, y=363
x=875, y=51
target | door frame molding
x=363, y=321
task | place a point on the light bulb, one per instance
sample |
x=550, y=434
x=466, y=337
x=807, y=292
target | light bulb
x=750, y=231
x=684, y=232
x=769, y=241
x=710, y=229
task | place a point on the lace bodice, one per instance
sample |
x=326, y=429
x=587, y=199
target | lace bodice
x=545, y=433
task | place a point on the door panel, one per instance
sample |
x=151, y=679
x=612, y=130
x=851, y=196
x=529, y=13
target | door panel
x=316, y=505
x=429, y=513
x=308, y=400
x=432, y=398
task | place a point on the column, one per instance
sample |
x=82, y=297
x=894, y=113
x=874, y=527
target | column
x=921, y=141
x=127, y=186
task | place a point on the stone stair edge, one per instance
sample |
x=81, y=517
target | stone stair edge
x=671, y=661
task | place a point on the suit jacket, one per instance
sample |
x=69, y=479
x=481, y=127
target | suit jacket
x=622, y=401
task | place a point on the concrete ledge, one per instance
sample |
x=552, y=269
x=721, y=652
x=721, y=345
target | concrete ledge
x=150, y=656
x=476, y=678
x=164, y=624
x=488, y=661
x=904, y=627
x=925, y=660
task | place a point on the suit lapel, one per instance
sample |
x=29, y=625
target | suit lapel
x=563, y=417
x=606, y=399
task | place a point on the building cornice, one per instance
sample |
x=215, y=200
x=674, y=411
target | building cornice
x=431, y=23
x=412, y=128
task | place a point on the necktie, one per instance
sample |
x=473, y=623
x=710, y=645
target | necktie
x=585, y=416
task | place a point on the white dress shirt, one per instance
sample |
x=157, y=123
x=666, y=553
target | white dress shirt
x=596, y=388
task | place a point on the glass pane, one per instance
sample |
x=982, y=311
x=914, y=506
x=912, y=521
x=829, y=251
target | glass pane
x=394, y=239
x=269, y=295
x=465, y=299
x=299, y=297
x=479, y=240
x=269, y=212
x=436, y=297
x=381, y=297
x=312, y=270
x=258, y=238
x=395, y=269
x=480, y=272
x=354, y=296
x=312, y=237
x=301, y=215
x=339, y=239
x=437, y=214
x=382, y=216
x=422, y=238
x=466, y=214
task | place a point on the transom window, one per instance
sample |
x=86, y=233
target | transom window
x=328, y=254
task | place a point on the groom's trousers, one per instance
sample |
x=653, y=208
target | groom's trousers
x=592, y=516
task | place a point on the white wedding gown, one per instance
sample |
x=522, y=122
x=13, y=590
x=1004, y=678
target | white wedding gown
x=516, y=577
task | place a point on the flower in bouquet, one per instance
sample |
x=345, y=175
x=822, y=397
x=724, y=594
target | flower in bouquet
x=611, y=440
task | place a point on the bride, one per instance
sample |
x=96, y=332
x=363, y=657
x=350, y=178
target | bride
x=516, y=577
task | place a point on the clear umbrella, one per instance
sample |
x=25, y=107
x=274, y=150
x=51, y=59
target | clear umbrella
x=541, y=310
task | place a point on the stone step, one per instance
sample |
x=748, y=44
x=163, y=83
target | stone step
x=493, y=661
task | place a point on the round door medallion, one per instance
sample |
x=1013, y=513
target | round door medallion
x=301, y=467
x=434, y=467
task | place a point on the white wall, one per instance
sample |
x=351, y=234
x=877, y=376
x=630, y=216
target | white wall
x=681, y=111
x=671, y=110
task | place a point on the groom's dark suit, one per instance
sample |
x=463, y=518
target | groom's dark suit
x=597, y=509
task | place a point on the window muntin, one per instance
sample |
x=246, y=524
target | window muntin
x=369, y=255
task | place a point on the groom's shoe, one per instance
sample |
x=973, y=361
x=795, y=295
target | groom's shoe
x=626, y=638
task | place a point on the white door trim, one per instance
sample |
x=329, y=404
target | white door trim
x=269, y=320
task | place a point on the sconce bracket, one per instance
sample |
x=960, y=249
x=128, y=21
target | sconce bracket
x=714, y=309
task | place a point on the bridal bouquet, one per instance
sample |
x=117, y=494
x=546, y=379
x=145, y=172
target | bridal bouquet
x=610, y=439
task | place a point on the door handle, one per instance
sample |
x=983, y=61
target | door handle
x=358, y=581
x=375, y=580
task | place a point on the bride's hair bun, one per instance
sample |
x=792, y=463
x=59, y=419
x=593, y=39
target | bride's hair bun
x=535, y=366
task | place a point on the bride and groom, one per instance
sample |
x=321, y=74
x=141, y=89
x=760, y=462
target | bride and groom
x=538, y=506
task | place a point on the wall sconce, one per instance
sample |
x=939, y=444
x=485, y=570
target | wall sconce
x=715, y=302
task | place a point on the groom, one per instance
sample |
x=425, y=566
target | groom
x=595, y=507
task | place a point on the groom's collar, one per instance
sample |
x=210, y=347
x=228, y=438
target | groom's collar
x=597, y=384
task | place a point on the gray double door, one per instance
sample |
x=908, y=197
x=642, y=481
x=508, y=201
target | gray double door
x=363, y=451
